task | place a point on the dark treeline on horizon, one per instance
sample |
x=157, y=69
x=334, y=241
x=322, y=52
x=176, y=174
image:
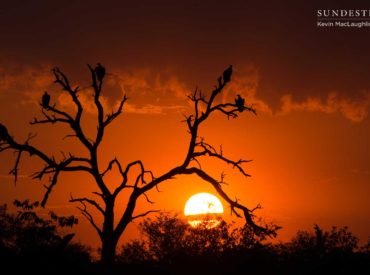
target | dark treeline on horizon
x=30, y=244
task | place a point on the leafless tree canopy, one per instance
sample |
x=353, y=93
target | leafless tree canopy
x=203, y=107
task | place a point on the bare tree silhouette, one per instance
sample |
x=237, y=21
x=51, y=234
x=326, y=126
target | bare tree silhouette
x=110, y=232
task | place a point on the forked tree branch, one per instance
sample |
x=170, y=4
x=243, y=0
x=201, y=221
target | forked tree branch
x=14, y=171
x=49, y=188
x=124, y=174
x=144, y=214
x=52, y=114
x=90, y=201
x=115, y=114
x=203, y=108
x=234, y=205
x=97, y=85
x=75, y=123
x=51, y=118
x=110, y=166
x=209, y=150
x=89, y=217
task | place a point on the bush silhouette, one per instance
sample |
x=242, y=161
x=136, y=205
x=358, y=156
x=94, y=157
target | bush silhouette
x=29, y=241
x=171, y=245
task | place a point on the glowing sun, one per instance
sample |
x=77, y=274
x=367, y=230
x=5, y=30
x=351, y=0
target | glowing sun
x=203, y=208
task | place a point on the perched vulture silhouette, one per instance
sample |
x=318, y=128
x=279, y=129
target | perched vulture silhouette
x=227, y=74
x=239, y=102
x=99, y=72
x=3, y=132
x=45, y=100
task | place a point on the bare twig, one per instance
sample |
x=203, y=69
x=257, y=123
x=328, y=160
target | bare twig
x=144, y=214
x=233, y=204
x=90, y=201
x=113, y=115
x=147, y=198
x=49, y=188
x=14, y=171
x=208, y=150
x=89, y=217
x=124, y=174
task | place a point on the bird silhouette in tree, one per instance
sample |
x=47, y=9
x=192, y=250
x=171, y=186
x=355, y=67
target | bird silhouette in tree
x=3, y=132
x=227, y=74
x=99, y=72
x=239, y=102
x=45, y=100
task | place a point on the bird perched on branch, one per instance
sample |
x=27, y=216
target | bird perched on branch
x=45, y=100
x=3, y=132
x=239, y=102
x=227, y=74
x=99, y=72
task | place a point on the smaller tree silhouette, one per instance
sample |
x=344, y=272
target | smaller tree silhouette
x=320, y=242
x=36, y=242
x=324, y=252
x=27, y=232
x=168, y=237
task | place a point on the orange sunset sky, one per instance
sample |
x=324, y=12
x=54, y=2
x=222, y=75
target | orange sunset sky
x=311, y=87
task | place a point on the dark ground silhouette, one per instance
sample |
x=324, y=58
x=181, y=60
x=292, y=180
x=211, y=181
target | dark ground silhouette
x=169, y=245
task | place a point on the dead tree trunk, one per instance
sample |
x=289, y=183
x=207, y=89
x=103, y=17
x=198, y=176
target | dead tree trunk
x=108, y=238
x=140, y=184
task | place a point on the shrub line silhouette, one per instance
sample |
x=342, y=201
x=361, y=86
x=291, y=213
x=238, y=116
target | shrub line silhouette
x=31, y=243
